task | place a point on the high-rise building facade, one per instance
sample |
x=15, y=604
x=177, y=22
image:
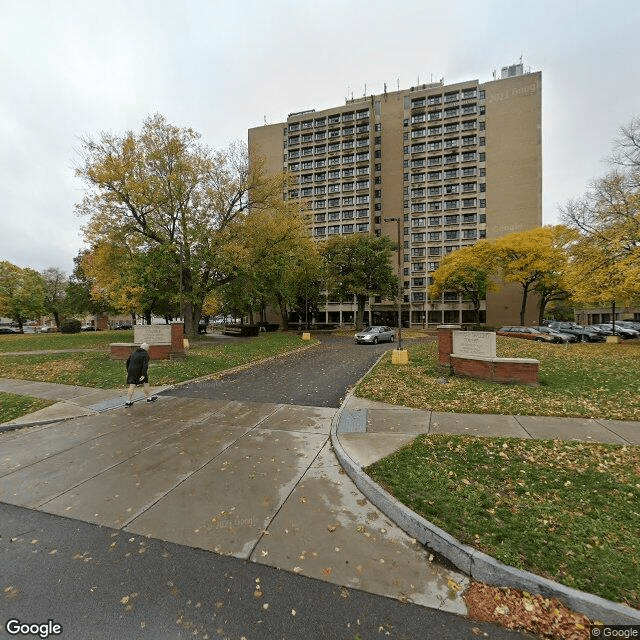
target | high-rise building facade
x=439, y=165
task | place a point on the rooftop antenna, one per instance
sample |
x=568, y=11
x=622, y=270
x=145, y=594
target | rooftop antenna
x=385, y=88
x=365, y=88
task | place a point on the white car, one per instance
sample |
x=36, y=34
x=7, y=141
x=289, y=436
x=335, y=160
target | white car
x=373, y=335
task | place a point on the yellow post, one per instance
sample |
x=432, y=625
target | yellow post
x=306, y=336
x=399, y=356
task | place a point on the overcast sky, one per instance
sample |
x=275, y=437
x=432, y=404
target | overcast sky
x=72, y=68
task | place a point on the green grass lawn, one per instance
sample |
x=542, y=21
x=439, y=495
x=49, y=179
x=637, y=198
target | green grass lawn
x=12, y=406
x=96, y=369
x=48, y=341
x=568, y=511
x=581, y=380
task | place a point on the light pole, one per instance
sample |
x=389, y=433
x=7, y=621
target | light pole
x=398, y=220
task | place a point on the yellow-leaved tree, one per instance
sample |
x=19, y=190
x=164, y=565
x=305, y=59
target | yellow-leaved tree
x=534, y=259
x=468, y=272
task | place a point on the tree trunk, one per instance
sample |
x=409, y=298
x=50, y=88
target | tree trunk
x=542, y=308
x=284, y=313
x=523, y=308
x=360, y=312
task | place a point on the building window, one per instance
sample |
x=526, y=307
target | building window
x=333, y=229
x=435, y=251
x=362, y=213
x=347, y=215
x=320, y=231
x=418, y=237
x=451, y=219
x=435, y=236
x=362, y=226
x=435, y=221
x=418, y=222
x=451, y=235
x=347, y=228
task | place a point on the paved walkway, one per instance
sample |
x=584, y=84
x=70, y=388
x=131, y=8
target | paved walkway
x=253, y=480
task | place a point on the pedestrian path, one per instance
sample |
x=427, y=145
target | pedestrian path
x=256, y=481
x=372, y=430
x=69, y=401
x=253, y=480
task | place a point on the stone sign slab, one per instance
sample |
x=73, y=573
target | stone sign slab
x=474, y=343
x=152, y=333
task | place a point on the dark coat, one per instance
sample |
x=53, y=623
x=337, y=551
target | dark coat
x=137, y=364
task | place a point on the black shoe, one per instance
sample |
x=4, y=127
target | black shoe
x=128, y=403
x=152, y=398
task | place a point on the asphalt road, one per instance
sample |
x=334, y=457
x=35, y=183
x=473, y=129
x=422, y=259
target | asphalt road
x=102, y=584
x=316, y=377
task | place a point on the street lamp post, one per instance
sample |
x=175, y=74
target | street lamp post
x=398, y=220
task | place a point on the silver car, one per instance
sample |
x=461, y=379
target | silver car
x=373, y=335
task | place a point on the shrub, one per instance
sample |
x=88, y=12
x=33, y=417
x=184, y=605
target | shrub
x=70, y=325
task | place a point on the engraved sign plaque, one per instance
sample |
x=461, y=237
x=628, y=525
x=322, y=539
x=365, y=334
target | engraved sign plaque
x=474, y=343
x=152, y=333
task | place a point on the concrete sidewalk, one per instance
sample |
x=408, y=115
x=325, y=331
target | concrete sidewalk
x=255, y=480
x=252, y=480
x=69, y=401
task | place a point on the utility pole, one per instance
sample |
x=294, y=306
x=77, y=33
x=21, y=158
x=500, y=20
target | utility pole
x=398, y=220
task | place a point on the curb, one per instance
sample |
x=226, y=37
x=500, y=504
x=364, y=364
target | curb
x=474, y=563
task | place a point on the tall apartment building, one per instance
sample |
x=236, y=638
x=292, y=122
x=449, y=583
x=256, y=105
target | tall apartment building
x=455, y=163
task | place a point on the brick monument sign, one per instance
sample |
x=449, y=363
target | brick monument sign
x=472, y=354
x=166, y=341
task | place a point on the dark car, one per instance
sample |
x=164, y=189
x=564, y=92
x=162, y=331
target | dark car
x=8, y=330
x=526, y=333
x=583, y=333
x=123, y=326
x=87, y=327
x=373, y=335
x=622, y=331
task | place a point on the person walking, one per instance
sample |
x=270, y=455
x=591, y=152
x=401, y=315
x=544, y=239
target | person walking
x=137, y=366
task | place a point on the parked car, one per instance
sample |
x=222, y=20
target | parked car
x=8, y=330
x=629, y=324
x=46, y=329
x=527, y=333
x=622, y=331
x=603, y=331
x=373, y=335
x=123, y=326
x=558, y=335
x=87, y=327
x=583, y=333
